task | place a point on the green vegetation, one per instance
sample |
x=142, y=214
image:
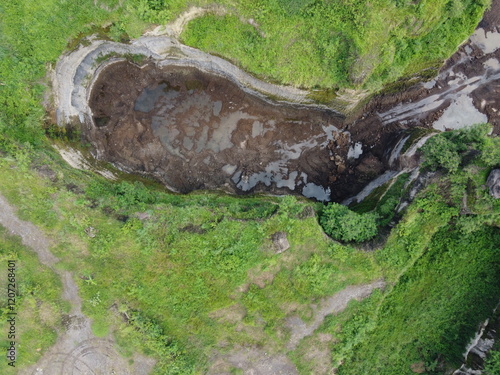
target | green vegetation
x=37, y=303
x=442, y=260
x=346, y=225
x=314, y=44
x=492, y=366
x=181, y=277
x=320, y=44
x=451, y=150
x=184, y=262
x=384, y=200
x=205, y=264
x=424, y=318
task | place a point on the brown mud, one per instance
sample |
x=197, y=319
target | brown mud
x=193, y=127
x=194, y=130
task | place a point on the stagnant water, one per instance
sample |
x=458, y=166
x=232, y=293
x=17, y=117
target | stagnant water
x=193, y=130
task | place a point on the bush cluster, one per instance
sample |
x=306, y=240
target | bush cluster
x=342, y=224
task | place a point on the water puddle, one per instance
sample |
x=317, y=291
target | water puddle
x=193, y=130
x=461, y=113
x=465, y=92
x=488, y=41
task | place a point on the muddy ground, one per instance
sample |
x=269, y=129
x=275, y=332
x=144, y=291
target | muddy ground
x=193, y=130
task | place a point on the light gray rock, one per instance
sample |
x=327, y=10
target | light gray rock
x=280, y=242
x=493, y=183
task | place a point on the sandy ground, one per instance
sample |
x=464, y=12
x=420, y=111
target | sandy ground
x=77, y=351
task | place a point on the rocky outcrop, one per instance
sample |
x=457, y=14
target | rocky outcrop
x=493, y=183
x=280, y=242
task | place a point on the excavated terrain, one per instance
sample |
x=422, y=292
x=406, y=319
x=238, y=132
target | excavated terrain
x=195, y=121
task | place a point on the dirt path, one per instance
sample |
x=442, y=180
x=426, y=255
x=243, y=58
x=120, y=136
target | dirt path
x=331, y=305
x=254, y=360
x=175, y=28
x=77, y=350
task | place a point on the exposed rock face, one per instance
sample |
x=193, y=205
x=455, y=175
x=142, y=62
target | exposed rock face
x=493, y=183
x=280, y=242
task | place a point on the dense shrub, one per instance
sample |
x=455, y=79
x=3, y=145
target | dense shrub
x=346, y=225
x=450, y=150
x=441, y=152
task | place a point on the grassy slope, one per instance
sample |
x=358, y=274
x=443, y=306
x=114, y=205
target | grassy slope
x=337, y=44
x=186, y=261
x=444, y=260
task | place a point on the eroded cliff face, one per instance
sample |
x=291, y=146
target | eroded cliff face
x=195, y=121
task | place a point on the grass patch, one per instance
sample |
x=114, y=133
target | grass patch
x=38, y=304
x=423, y=319
x=183, y=261
x=333, y=45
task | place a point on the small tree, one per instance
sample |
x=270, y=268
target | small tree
x=341, y=223
x=439, y=151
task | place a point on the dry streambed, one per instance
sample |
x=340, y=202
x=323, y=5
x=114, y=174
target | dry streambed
x=193, y=130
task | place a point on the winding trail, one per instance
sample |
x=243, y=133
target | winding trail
x=77, y=351
x=260, y=360
x=331, y=305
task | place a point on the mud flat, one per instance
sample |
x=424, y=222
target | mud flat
x=195, y=121
x=195, y=130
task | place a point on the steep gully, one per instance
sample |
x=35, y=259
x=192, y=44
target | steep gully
x=194, y=121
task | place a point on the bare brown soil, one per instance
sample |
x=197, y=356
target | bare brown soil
x=193, y=130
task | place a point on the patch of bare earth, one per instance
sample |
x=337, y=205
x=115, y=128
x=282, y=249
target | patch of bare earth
x=334, y=304
x=253, y=361
x=266, y=358
x=77, y=351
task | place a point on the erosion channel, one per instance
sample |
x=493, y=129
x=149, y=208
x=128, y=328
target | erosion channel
x=195, y=121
